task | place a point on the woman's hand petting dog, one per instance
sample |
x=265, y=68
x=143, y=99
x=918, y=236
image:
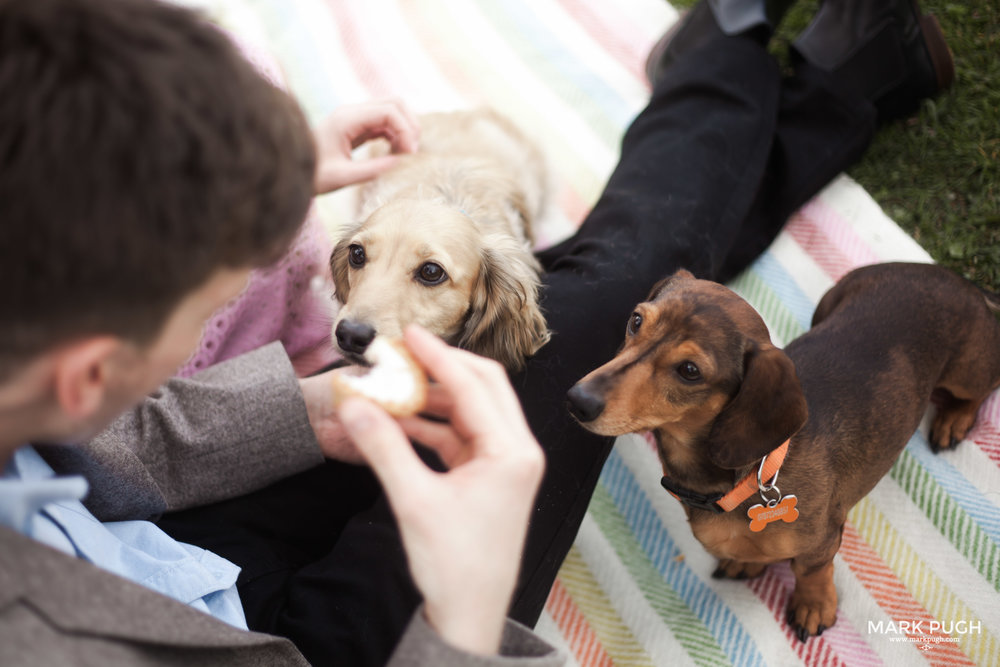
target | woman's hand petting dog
x=352, y=125
x=464, y=529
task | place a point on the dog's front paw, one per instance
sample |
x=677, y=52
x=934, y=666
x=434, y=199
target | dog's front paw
x=810, y=615
x=737, y=569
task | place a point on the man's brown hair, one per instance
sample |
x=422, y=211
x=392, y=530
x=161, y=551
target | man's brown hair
x=139, y=153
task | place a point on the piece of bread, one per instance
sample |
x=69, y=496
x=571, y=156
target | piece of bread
x=394, y=380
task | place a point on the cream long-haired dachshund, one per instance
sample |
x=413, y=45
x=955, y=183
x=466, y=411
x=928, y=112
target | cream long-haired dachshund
x=445, y=242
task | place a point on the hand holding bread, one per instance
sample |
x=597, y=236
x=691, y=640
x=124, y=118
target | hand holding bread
x=467, y=524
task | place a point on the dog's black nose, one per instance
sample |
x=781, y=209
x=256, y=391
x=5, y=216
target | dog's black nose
x=354, y=336
x=583, y=404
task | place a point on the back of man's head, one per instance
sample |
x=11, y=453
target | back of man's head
x=139, y=153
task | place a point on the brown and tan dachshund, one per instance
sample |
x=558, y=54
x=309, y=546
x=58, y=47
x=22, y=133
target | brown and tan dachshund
x=698, y=369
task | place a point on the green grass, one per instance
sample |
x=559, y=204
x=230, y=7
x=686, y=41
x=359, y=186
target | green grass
x=937, y=173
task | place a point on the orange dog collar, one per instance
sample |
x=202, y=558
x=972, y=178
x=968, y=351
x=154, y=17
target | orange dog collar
x=746, y=487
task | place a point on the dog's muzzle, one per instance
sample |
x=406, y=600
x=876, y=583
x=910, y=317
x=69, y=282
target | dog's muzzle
x=584, y=404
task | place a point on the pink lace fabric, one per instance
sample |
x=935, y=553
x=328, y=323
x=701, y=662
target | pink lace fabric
x=290, y=301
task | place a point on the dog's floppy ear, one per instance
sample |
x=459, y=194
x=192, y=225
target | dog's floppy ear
x=679, y=274
x=504, y=320
x=339, y=268
x=768, y=409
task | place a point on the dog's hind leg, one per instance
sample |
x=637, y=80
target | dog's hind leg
x=970, y=374
x=953, y=420
x=966, y=382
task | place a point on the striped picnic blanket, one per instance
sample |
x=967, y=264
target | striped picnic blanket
x=919, y=570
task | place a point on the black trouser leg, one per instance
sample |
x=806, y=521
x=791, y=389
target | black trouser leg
x=690, y=167
x=821, y=130
x=322, y=562
x=709, y=173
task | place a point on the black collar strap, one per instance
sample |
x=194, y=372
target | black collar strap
x=693, y=499
x=746, y=487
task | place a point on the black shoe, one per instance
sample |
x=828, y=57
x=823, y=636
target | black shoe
x=700, y=24
x=884, y=49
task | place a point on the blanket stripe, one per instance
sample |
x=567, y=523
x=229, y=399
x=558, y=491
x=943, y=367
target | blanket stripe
x=614, y=636
x=575, y=627
x=954, y=523
x=918, y=573
x=650, y=556
x=914, y=573
x=986, y=435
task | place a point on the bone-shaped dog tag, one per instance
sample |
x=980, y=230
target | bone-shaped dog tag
x=784, y=510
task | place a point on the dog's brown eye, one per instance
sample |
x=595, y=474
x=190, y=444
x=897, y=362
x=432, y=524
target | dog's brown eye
x=431, y=274
x=634, y=322
x=689, y=371
x=356, y=256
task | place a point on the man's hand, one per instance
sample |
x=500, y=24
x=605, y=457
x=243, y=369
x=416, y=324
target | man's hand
x=317, y=390
x=351, y=126
x=463, y=530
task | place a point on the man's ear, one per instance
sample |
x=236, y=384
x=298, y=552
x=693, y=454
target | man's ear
x=81, y=372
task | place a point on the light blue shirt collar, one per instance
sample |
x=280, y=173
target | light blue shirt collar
x=19, y=502
x=36, y=503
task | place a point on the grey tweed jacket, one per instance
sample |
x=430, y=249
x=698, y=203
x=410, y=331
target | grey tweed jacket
x=57, y=610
